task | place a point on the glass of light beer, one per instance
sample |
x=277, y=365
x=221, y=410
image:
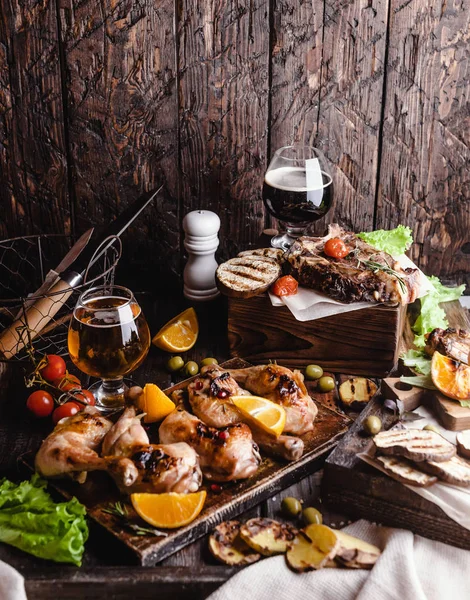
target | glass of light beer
x=108, y=338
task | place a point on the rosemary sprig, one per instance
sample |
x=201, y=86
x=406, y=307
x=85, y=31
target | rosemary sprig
x=375, y=266
x=119, y=510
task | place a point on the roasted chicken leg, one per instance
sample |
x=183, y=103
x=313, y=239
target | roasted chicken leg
x=225, y=455
x=125, y=434
x=283, y=386
x=209, y=396
x=157, y=468
x=72, y=448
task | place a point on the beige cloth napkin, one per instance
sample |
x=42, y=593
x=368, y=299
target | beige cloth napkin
x=410, y=568
x=11, y=583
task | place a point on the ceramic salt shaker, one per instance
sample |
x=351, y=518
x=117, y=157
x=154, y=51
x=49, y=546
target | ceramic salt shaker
x=201, y=241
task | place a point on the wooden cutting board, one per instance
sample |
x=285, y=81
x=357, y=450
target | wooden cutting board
x=99, y=491
x=450, y=413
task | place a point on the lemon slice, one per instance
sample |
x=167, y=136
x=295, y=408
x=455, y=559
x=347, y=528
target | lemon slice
x=155, y=403
x=179, y=334
x=271, y=417
x=168, y=511
x=450, y=376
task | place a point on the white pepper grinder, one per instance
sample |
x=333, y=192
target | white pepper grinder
x=201, y=241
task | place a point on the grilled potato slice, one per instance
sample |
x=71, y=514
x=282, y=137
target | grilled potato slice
x=312, y=548
x=355, y=553
x=266, y=536
x=355, y=393
x=227, y=546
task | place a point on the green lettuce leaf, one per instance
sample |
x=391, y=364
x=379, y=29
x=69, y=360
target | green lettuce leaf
x=464, y=403
x=415, y=359
x=423, y=381
x=395, y=242
x=32, y=521
x=432, y=315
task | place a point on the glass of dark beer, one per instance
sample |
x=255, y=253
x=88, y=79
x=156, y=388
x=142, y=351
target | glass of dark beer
x=297, y=190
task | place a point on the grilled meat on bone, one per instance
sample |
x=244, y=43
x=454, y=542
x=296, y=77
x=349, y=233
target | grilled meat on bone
x=451, y=342
x=353, y=278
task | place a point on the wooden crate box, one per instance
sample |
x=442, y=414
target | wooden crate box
x=363, y=341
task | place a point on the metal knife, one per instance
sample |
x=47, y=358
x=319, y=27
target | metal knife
x=44, y=309
x=53, y=274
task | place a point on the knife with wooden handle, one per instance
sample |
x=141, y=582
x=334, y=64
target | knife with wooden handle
x=18, y=334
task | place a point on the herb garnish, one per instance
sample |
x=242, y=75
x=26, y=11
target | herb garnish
x=375, y=266
x=119, y=510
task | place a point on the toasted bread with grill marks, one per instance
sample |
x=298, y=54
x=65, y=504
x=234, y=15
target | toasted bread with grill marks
x=463, y=443
x=244, y=277
x=275, y=254
x=405, y=471
x=416, y=444
x=455, y=471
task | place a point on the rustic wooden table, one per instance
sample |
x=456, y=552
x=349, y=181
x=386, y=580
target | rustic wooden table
x=190, y=573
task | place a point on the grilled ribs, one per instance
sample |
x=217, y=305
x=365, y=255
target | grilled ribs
x=364, y=275
x=454, y=343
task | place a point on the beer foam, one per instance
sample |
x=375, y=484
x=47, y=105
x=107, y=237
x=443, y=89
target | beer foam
x=112, y=317
x=294, y=179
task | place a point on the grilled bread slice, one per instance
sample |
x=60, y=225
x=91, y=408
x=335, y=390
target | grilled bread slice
x=275, y=254
x=463, y=443
x=244, y=277
x=416, y=444
x=405, y=471
x=455, y=471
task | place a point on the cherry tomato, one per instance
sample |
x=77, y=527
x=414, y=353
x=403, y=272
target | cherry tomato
x=285, y=286
x=67, y=382
x=40, y=403
x=65, y=410
x=55, y=367
x=336, y=248
x=86, y=397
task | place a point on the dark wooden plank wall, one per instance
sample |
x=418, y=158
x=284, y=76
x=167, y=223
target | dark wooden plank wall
x=100, y=100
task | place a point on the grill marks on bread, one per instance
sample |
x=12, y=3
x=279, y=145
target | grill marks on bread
x=405, y=471
x=247, y=276
x=416, y=444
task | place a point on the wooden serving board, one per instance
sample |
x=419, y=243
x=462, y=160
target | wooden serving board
x=360, y=342
x=450, y=413
x=99, y=491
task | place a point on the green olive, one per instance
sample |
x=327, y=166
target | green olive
x=313, y=372
x=175, y=364
x=430, y=427
x=191, y=368
x=291, y=507
x=326, y=384
x=312, y=516
x=209, y=361
x=372, y=425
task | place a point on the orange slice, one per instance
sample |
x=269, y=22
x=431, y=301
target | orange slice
x=179, y=334
x=451, y=377
x=155, y=403
x=271, y=417
x=168, y=511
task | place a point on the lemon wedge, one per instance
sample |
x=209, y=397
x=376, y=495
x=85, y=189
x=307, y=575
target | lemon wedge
x=168, y=511
x=155, y=403
x=267, y=415
x=179, y=334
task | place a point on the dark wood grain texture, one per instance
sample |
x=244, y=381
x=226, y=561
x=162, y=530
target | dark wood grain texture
x=223, y=66
x=122, y=118
x=34, y=197
x=351, y=84
x=365, y=341
x=424, y=175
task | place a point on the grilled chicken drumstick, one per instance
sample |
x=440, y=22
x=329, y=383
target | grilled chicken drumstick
x=225, y=455
x=72, y=448
x=283, y=386
x=209, y=396
x=137, y=466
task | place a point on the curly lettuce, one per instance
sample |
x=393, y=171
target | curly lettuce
x=31, y=521
x=395, y=241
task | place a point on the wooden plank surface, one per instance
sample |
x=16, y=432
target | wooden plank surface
x=352, y=79
x=122, y=119
x=424, y=175
x=223, y=84
x=34, y=197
